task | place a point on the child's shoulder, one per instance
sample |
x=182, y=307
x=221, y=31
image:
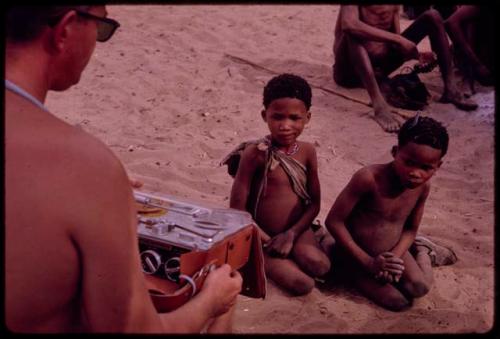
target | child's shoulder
x=369, y=174
x=254, y=152
x=307, y=146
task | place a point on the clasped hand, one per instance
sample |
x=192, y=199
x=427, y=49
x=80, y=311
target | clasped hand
x=387, y=267
x=281, y=244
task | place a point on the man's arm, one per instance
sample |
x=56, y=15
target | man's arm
x=250, y=160
x=411, y=225
x=352, y=25
x=104, y=231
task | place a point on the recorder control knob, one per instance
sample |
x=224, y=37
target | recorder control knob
x=150, y=261
x=172, y=268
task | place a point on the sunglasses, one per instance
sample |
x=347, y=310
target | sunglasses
x=106, y=27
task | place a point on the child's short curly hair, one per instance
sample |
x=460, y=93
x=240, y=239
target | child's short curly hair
x=287, y=86
x=424, y=131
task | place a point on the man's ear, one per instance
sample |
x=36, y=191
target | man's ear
x=439, y=163
x=308, y=116
x=63, y=30
x=394, y=150
x=263, y=114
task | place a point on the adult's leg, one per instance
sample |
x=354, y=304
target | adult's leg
x=286, y=273
x=309, y=256
x=431, y=24
x=364, y=69
x=344, y=73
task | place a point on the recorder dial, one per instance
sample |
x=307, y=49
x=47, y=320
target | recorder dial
x=150, y=261
x=172, y=268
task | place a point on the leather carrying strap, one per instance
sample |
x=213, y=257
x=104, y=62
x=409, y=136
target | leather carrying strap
x=243, y=251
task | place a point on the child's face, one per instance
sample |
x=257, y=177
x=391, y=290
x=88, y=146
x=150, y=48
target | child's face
x=286, y=118
x=415, y=163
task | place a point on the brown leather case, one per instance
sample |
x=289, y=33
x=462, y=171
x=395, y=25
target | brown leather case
x=242, y=251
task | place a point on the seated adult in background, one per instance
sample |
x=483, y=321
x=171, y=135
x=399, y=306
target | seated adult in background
x=369, y=46
x=71, y=247
x=471, y=30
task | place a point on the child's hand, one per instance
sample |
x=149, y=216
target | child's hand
x=387, y=261
x=388, y=277
x=281, y=244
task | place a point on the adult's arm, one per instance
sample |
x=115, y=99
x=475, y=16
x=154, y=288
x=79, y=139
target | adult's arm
x=104, y=231
x=351, y=24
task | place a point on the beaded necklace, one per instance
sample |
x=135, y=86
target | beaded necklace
x=290, y=151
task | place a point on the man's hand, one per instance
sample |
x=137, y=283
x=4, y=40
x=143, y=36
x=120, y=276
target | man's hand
x=135, y=183
x=426, y=58
x=222, y=286
x=387, y=266
x=281, y=244
x=408, y=48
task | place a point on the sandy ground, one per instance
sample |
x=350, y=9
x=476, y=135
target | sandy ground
x=167, y=98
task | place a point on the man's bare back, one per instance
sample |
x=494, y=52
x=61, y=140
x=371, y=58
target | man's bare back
x=72, y=255
x=44, y=157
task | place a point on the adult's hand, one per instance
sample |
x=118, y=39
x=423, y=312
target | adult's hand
x=408, y=48
x=136, y=183
x=221, y=287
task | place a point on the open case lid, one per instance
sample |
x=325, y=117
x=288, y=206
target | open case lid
x=206, y=234
x=172, y=221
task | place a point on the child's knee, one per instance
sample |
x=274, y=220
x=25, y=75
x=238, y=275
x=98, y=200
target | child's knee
x=395, y=302
x=319, y=267
x=417, y=289
x=314, y=265
x=301, y=285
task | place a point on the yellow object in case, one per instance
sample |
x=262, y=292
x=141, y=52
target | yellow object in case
x=180, y=240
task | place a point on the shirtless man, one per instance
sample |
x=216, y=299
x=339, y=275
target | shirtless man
x=368, y=46
x=277, y=182
x=376, y=217
x=71, y=247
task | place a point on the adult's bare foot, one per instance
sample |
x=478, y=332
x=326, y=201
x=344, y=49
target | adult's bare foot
x=459, y=100
x=386, y=120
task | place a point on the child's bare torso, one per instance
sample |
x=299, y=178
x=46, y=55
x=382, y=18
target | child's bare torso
x=377, y=221
x=279, y=206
